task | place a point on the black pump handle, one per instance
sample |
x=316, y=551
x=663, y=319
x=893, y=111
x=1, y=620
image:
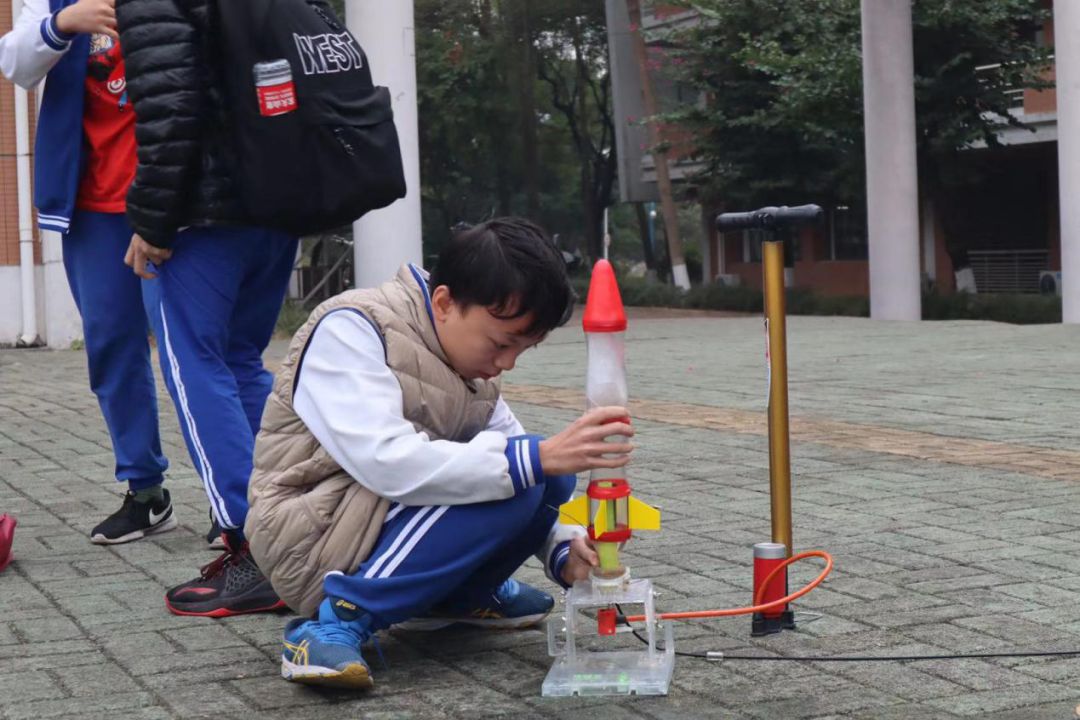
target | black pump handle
x=770, y=218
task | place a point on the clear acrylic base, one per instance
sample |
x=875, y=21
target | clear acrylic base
x=580, y=671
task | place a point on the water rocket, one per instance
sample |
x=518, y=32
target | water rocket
x=607, y=509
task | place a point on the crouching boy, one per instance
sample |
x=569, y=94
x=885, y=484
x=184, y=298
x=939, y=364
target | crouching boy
x=391, y=481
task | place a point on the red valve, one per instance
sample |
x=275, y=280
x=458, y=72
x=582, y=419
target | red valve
x=605, y=621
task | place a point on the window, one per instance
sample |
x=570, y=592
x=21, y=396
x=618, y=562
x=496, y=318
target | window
x=847, y=233
x=752, y=240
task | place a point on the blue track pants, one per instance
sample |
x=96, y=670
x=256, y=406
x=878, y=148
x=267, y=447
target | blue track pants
x=213, y=307
x=427, y=554
x=109, y=298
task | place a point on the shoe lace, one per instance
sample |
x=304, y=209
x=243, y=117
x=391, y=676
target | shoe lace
x=378, y=651
x=340, y=635
x=222, y=563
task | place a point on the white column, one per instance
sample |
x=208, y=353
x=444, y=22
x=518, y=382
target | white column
x=383, y=239
x=29, y=336
x=892, y=186
x=63, y=324
x=1067, y=57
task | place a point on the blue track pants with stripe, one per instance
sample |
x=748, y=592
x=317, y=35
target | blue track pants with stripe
x=213, y=307
x=109, y=298
x=427, y=554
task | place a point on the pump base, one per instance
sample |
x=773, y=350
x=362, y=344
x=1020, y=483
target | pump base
x=762, y=625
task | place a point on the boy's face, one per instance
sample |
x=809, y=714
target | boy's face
x=478, y=344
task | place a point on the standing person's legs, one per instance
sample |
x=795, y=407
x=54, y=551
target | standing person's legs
x=251, y=326
x=191, y=305
x=109, y=298
x=255, y=316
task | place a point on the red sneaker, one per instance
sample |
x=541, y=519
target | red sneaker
x=7, y=537
x=230, y=585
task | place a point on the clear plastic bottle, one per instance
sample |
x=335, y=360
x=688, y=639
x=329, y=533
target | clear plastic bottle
x=605, y=385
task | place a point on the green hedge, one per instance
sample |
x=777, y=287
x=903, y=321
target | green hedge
x=1020, y=309
x=714, y=296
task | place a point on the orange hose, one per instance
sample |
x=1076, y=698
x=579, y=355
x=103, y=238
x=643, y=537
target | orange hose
x=757, y=597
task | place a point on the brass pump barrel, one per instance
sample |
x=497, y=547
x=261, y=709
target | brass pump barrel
x=772, y=256
x=772, y=267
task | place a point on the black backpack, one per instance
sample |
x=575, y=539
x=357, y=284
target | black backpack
x=317, y=151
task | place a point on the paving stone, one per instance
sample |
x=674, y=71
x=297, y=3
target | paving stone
x=975, y=674
x=1009, y=698
x=1049, y=711
x=947, y=500
x=88, y=680
x=210, y=699
x=103, y=705
x=24, y=687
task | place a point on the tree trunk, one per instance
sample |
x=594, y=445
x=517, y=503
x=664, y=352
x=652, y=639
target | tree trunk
x=663, y=178
x=527, y=109
x=643, y=231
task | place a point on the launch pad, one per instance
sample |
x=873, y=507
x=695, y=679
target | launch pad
x=581, y=671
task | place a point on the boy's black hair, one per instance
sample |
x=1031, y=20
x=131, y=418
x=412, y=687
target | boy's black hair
x=510, y=266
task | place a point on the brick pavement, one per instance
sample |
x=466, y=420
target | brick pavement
x=937, y=462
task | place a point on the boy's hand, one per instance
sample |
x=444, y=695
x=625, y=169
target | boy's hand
x=140, y=252
x=580, y=561
x=89, y=16
x=581, y=445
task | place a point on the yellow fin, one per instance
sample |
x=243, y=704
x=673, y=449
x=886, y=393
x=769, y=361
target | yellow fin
x=575, y=512
x=642, y=516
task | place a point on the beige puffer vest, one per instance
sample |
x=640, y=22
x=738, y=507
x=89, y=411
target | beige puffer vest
x=308, y=516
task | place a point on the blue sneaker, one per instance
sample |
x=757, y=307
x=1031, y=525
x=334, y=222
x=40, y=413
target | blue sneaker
x=327, y=651
x=512, y=605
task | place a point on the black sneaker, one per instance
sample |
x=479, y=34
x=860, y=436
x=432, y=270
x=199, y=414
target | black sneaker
x=214, y=539
x=135, y=520
x=230, y=585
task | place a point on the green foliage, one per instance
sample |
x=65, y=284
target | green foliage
x=783, y=81
x=291, y=317
x=1019, y=309
x=493, y=137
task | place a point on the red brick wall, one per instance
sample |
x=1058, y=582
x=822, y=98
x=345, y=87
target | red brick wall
x=812, y=272
x=9, y=193
x=1041, y=101
x=661, y=10
x=9, y=206
x=824, y=277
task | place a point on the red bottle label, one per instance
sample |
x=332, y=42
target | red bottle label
x=276, y=99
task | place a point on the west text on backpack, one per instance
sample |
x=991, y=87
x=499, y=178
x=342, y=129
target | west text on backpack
x=314, y=142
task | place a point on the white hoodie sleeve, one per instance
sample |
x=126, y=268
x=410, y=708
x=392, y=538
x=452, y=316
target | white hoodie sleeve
x=33, y=46
x=352, y=403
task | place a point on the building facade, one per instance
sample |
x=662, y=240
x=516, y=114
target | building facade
x=999, y=237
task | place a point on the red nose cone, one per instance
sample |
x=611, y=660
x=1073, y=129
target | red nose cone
x=603, y=307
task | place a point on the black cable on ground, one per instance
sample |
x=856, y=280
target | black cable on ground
x=717, y=655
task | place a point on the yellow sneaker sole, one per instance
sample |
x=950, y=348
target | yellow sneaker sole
x=353, y=677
